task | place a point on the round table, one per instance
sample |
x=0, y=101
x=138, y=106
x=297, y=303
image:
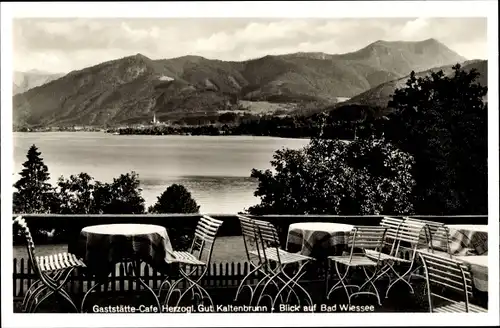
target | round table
x=318, y=239
x=103, y=246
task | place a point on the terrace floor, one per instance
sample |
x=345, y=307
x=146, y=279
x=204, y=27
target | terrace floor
x=226, y=249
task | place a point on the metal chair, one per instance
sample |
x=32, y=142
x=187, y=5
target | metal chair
x=450, y=281
x=251, y=243
x=390, y=242
x=255, y=258
x=437, y=237
x=199, y=256
x=435, y=240
x=276, y=262
x=403, y=236
x=52, y=271
x=362, y=238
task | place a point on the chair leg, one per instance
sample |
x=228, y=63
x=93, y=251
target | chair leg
x=293, y=281
x=341, y=281
x=369, y=281
x=164, y=282
x=271, y=279
x=195, y=284
x=401, y=278
x=28, y=294
x=59, y=290
x=97, y=284
x=31, y=292
x=172, y=289
x=55, y=293
x=266, y=277
x=34, y=296
x=242, y=283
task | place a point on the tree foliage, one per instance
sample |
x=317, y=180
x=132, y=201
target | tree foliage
x=122, y=196
x=34, y=192
x=76, y=194
x=81, y=194
x=366, y=176
x=175, y=199
x=442, y=121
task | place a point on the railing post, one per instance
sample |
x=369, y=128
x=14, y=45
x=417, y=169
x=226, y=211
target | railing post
x=15, y=277
x=21, y=270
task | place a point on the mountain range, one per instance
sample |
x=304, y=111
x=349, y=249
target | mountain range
x=24, y=81
x=131, y=89
x=380, y=95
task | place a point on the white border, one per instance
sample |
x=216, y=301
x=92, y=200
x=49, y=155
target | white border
x=245, y=9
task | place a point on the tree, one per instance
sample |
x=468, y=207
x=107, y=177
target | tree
x=34, y=192
x=366, y=176
x=442, y=121
x=76, y=194
x=175, y=199
x=122, y=196
x=80, y=194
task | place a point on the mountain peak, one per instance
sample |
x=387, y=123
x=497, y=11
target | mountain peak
x=138, y=56
x=431, y=40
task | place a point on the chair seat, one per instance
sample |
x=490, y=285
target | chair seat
x=459, y=307
x=437, y=252
x=59, y=261
x=279, y=255
x=372, y=254
x=187, y=258
x=356, y=260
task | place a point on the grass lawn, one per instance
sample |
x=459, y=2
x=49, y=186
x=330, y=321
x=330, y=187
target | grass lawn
x=226, y=249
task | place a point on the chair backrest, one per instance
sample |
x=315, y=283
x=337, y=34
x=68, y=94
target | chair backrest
x=437, y=235
x=409, y=236
x=250, y=235
x=447, y=279
x=393, y=225
x=30, y=245
x=364, y=238
x=204, y=238
x=267, y=238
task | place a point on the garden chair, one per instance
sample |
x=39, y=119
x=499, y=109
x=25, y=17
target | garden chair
x=276, y=263
x=198, y=256
x=52, y=273
x=255, y=258
x=361, y=238
x=251, y=243
x=390, y=242
x=404, y=237
x=435, y=240
x=437, y=237
x=449, y=281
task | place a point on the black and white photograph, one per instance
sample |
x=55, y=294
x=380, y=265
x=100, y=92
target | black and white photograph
x=249, y=160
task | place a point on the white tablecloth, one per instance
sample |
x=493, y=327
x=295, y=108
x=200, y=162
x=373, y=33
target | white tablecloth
x=317, y=236
x=479, y=269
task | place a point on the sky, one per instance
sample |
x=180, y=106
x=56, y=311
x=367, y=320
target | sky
x=60, y=45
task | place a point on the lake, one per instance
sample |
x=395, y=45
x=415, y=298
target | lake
x=215, y=169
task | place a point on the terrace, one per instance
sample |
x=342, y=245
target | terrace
x=228, y=265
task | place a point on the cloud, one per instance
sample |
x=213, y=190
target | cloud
x=414, y=28
x=66, y=44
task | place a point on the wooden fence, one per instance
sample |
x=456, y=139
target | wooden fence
x=219, y=275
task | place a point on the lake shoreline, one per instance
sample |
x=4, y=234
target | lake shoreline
x=215, y=170
x=173, y=134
